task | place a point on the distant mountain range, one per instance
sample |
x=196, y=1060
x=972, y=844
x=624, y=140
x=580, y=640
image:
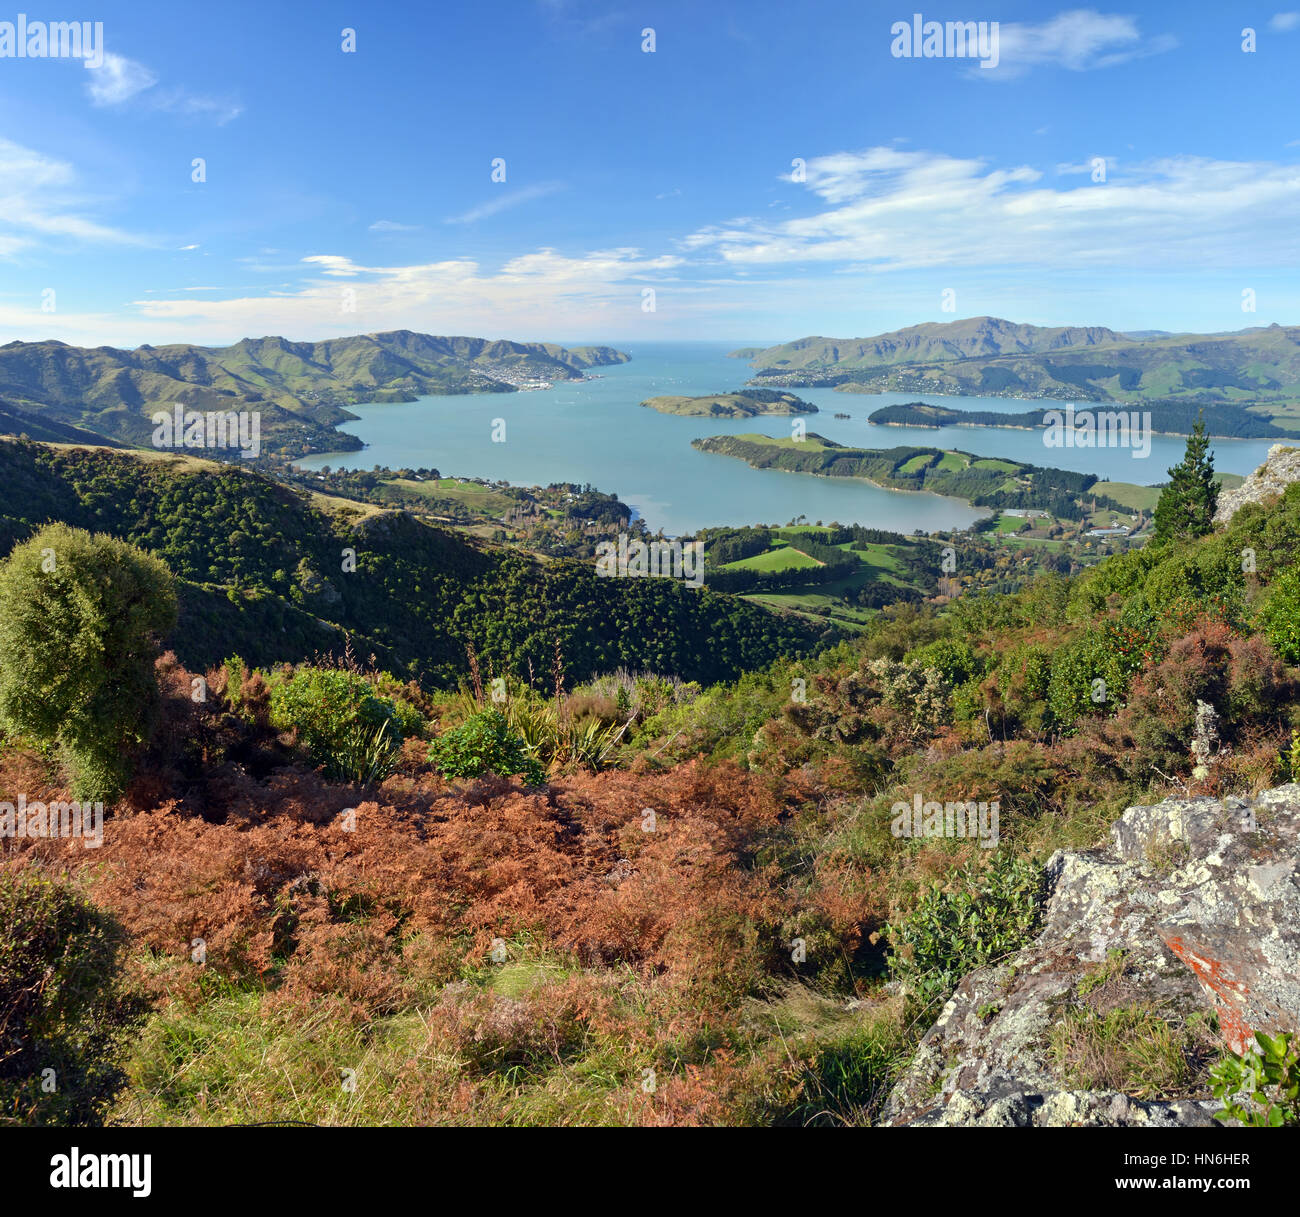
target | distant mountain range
x=301, y=389
x=987, y=356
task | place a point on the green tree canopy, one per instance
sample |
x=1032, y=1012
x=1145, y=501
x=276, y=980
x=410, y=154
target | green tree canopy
x=80, y=616
x=1187, y=505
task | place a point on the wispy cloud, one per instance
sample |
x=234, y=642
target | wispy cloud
x=40, y=200
x=562, y=16
x=574, y=294
x=884, y=209
x=393, y=226
x=1080, y=40
x=1284, y=23
x=505, y=201
x=118, y=80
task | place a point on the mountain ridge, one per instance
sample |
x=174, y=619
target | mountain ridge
x=1257, y=367
x=301, y=389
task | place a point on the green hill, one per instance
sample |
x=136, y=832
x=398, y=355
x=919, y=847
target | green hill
x=987, y=356
x=301, y=389
x=973, y=337
x=262, y=576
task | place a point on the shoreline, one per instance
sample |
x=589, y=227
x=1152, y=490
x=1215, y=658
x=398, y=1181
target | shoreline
x=934, y=494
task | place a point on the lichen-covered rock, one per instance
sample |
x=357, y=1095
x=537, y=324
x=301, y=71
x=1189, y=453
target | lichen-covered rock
x=1067, y=1109
x=1280, y=468
x=1202, y=898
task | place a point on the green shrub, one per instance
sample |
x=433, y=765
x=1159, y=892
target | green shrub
x=955, y=661
x=1261, y=1088
x=344, y=726
x=1023, y=676
x=1072, y=691
x=988, y=913
x=1279, y=615
x=484, y=743
x=65, y=1016
x=1111, y=652
x=80, y=616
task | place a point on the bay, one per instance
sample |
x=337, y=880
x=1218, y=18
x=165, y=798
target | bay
x=596, y=432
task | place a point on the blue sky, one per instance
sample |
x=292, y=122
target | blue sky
x=351, y=192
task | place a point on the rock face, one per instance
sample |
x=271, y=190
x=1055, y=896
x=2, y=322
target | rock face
x=1280, y=468
x=1201, y=896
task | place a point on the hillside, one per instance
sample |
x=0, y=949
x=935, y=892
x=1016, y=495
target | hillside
x=730, y=909
x=743, y=404
x=986, y=356
x=971, y=338
x=262, y=577
x=301, y=389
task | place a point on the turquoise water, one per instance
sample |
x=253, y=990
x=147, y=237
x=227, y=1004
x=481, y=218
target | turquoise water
x=595, y=432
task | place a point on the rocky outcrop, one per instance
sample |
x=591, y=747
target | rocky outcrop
x=1280, y=468
x=1193, y=908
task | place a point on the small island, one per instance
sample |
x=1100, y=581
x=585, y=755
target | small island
x=746, y=403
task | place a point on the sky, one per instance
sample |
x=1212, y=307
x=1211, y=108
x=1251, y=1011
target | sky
x=637, y=171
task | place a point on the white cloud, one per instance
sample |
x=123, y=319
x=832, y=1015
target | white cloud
x=572, y=295
x=39, y=200
x=884, y=209
x=393, y=226
x=505, y=201
x=118, y=79
x=1284, y=23
x=1079, y=40
x=219, y=110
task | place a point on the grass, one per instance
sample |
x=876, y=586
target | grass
x=808, y=444
x=350, y=508
x=817, y=606
x=1145, y=498
x=473, y=1055
x=470, y=495
x=1009, y=524
x=1106, y=1040
x=1134, y=497
x=780, y=557
x=876, y=562
x=1133, y=1048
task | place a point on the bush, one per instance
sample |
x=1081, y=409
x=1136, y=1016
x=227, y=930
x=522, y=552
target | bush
x=79, y=620
x=65, y=1017
x=1091, y=674
x=990, y=912
x=1261, y=1088
x=346, y=728
x=1279, y=616
x=955, y=661
x=484, y=743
